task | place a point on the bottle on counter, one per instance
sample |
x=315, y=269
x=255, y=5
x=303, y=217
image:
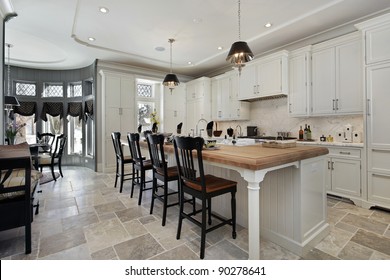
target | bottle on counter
x=308, y=133
x=305, y=133
x=300, y=133
x=322, y=138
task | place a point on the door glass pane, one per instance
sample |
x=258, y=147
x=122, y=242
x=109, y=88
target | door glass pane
x=53, y=125
x=27, y=133
x=75, y=136
x=143, y=114
x=89, y=133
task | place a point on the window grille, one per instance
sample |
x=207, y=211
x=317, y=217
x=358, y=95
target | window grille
x=53, y=90
x=144, y=90
x=75, y=90
x=25, y=89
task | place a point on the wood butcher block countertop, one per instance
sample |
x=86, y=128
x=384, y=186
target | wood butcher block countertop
x=256, y=157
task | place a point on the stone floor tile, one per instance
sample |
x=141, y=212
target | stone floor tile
x=316, y=254
x=181, y=252
x=334, y=241
x=354, y=251
x=140, y=248
x=373, y=241
x=365, y=223
x=113, y=206
x=104, y=254
x=379, y=256
x=76, y=253
x=225, y=250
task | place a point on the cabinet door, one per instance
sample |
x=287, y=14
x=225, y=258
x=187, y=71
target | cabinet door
x=377, y=44
x=346, y=178
x=378, y=100
x=174, y=108
x=269, y=77
x=298, y=88
x=379, y=188
x=349, y=82
x=323, y=82
x=247, y=83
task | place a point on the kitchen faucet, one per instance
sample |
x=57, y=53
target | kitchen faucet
x=240, y=134
x=197, y=131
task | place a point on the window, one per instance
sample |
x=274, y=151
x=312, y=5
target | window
x=29, y=131
x=75, y=89
x=53, y=90
x=147, y=102
x=90, y=139
x=75, y=136
x=25, y=89
x=53, y=125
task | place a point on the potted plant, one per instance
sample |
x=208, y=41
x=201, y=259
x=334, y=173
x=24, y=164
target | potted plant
x=12, y=130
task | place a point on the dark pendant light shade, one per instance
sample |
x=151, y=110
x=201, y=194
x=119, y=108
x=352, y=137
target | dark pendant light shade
x=171, y=80
x=239, y=53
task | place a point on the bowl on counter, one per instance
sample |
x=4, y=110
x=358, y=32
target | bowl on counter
x=210, y=143
x=217, y=133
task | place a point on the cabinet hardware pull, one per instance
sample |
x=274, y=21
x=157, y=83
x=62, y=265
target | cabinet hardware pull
x=328, y=164
x=254, y=89
x=368, y=107
x=332, y=165
x=345, y=153
x=334, y=104
x=258, y=91
x=337, y=104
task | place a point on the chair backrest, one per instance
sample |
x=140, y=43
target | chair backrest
x=46, y=138
x=135, y=150
x=116, y=141
x=59, y=147
x=187, y=167
x=156, y=151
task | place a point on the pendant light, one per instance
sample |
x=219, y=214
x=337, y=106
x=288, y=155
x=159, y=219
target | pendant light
x=171, y=81
x=9, y=100
x=239, y=53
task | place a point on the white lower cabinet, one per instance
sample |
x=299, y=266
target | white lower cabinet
x=344, y=172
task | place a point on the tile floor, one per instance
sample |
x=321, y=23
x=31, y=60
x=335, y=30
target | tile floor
x=82, y=216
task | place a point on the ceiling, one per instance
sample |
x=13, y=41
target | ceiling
x=54, y=34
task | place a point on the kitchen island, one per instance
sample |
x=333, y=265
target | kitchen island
x=293, y=202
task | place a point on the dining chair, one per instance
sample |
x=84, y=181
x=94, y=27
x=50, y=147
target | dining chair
x=141, y=165
x=45, y=138
x=55, y=157
x=189, y=160
x=162, y=173
x=121, y=162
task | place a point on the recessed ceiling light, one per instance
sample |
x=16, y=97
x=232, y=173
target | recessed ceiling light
x=220, y=48
x=197, y=20
x=189, y=63
x=159, y=49
x=91, y=39
x=268, y=25
x=103, y=10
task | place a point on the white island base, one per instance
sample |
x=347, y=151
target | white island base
x=288, y=207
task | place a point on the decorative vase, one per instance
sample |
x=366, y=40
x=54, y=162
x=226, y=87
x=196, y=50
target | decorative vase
x=11, y=140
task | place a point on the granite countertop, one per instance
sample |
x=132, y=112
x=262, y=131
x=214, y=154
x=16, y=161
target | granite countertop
x=336, y=144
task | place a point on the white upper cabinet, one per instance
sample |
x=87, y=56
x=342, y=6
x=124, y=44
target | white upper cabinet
x=299, y=82
x=377, y=39
x=198, y=103
x=225, y=103
x=337, y=86
x=265, y=77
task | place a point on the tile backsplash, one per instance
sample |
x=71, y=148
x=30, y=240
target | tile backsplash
x=271, y=116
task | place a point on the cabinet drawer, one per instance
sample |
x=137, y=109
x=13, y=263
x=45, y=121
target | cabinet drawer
x=379, y=161
x=344, y=152
x=379, y=187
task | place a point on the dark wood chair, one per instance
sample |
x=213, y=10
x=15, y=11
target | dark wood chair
x=55, y=157
x=188, y=153
x=121, y=161
x=48, y=139
x=141, y=165
x=162, y=173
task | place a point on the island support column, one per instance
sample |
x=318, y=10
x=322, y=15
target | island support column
x=254, y=178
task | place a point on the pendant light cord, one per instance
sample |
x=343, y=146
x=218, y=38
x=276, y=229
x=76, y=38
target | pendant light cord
x=8, y=70
x=239, y=20
x=171, y=41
